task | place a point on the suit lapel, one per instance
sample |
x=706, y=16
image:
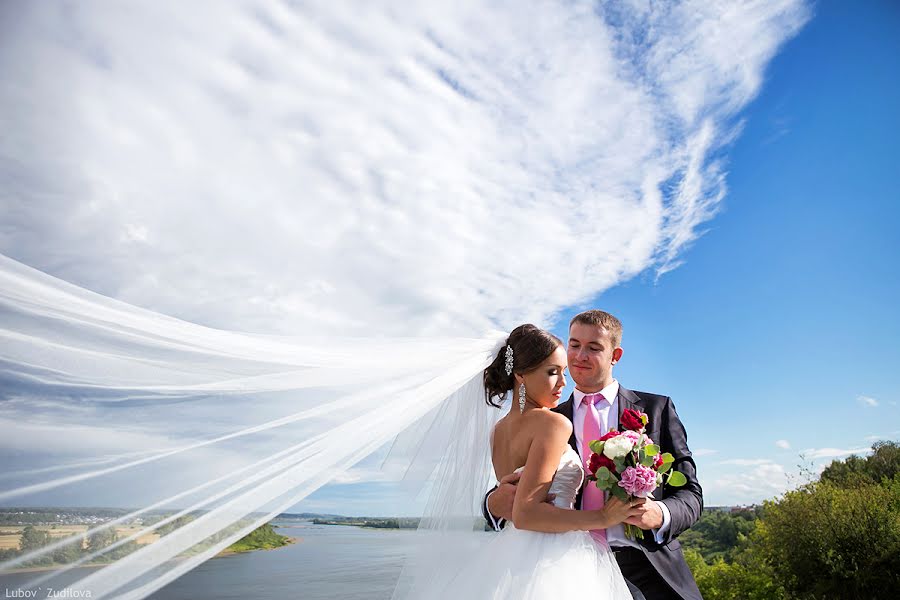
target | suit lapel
x=628, y=399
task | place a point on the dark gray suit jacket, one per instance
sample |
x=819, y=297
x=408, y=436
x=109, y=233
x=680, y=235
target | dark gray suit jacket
x=685, y=503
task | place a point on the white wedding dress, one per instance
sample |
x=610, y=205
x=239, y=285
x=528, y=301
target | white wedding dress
x=528, y=565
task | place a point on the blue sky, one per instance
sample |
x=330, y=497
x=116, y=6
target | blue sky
x=781, y=324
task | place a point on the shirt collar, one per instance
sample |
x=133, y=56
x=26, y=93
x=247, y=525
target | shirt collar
x=610, y=392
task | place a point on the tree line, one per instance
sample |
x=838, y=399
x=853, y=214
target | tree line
x=837, y=537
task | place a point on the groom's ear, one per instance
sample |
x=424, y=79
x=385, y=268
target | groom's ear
x=617, y=355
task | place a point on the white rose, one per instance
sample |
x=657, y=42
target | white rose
x=617, y=447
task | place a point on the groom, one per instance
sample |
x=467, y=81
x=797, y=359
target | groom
x=654, y=567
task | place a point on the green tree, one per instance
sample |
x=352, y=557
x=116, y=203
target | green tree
x=176, y=524
x=123, y=550
x=8, y=553
x=33, y=539
x=101, y=539
x=883, y=463
x=719, y=534
x=262, y=537
x=824, y=541
x=70, y=552
x=733, y=581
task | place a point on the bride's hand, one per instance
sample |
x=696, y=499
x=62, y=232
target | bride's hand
x=616, y=511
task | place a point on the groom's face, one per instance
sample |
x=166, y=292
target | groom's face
x=591, y=356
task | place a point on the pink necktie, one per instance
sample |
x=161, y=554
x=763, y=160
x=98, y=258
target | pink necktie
x=592, y=497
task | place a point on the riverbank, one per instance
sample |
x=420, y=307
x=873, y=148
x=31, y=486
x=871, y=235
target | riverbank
x=229, y=551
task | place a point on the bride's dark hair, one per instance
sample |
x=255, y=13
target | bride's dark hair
x=531, y=346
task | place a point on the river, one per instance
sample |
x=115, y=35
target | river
x=330, y=561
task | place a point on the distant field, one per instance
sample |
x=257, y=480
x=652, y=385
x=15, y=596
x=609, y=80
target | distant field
x=11, y=534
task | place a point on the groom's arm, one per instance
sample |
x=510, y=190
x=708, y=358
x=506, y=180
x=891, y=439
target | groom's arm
x=496, y=523
x=685, y=503
x=498, y=502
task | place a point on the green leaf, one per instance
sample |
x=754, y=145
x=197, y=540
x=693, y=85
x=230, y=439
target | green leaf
x=652, y=449
x=665, y=467
x=648, y=461
x=677, y=479
x=604, y=485
x=603, y=473
x=619, y=493
x=644, y=418
x=620, y=464
x=668, y=458
x=596, y=446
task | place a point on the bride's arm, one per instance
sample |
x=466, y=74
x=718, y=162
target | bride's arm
x=530, y=511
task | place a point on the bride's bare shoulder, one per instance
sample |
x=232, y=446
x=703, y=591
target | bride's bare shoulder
x=549, y=423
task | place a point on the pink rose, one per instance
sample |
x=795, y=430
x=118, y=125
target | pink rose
x=634, y=436
x=638, y=481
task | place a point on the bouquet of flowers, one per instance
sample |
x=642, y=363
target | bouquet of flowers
x=629, y=465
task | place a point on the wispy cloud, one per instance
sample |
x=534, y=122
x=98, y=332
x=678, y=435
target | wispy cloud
x=818, y=453
x=704, y=452
x=783, y=444
x=867, y=401
x=315, y=168
x=745, y=462
x=762, y=479
x=883, y=436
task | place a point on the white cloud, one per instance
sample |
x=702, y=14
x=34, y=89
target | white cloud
x=867, y=401
x=883, y=436
x=322, y=168
x=783, y=444
x=763, y=479
x=819, y=453
x=745, y=462
x=704, y=452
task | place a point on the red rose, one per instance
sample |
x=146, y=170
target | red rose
x=601, y=460
x=657, y=463
x=631, y=419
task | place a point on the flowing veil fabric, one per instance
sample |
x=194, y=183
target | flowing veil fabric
x=127, y=388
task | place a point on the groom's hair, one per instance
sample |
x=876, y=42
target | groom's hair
x=604, y=320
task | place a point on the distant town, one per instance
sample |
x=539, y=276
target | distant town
x=23, y=531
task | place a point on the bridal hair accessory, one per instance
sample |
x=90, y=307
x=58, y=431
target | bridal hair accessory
x=509, y=360
x=522, y=397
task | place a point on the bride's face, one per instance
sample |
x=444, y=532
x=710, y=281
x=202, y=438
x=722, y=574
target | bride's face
x=544, y=385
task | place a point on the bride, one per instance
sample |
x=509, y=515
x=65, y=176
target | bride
x=548, y=551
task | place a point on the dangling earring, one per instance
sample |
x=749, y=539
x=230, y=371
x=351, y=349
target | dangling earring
x=522, y=397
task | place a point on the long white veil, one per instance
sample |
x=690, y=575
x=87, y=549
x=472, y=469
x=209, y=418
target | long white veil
x=290, y=415
x=384, y=168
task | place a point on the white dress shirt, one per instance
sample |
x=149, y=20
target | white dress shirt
x=608, y=410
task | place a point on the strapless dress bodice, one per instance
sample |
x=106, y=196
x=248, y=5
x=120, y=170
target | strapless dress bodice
x=567, y=480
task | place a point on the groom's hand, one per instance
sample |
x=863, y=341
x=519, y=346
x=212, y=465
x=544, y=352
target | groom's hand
x=650, y=517
x=500, y=502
